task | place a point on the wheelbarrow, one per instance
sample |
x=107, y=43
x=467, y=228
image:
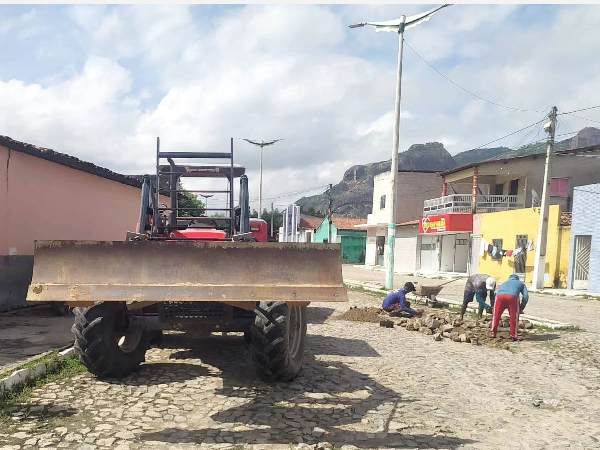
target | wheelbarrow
x=429, y=293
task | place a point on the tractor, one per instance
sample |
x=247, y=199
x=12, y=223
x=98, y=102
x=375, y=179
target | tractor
x=196, y=274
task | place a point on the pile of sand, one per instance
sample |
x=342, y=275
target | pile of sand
x=368, y=314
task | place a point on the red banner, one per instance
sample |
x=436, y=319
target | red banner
x=445, y=223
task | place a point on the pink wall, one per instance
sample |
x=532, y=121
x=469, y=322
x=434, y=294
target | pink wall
x=44, y=200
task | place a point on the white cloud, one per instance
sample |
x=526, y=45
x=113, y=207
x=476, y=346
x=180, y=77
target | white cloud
x=298, y=72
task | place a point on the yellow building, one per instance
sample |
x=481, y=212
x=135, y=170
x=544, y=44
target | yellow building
x=510, y=229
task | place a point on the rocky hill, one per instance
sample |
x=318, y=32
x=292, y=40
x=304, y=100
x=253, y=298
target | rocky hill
x=353, y=195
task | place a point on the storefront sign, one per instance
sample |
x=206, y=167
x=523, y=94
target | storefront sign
x=446, y=223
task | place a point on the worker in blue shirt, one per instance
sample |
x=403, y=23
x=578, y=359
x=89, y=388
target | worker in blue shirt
x=395, y=303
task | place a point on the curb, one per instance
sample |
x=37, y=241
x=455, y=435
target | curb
x=22, y=375
x=555, y=325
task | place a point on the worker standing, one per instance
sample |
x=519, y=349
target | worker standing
x=508, y=298
x=395, y=302
x=478, y=286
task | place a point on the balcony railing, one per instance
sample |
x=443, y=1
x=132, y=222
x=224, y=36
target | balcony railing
x=462, y=203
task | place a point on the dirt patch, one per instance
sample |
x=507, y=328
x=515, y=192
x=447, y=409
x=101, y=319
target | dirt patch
x=443, y=325
x=368, y=314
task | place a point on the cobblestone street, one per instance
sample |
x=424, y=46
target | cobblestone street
x=361, y=385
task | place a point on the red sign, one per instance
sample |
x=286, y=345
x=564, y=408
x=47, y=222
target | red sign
x=453, y=223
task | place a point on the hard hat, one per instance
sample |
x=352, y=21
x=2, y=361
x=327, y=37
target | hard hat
x=490, y=284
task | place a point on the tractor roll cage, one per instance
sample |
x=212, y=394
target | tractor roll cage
x=166, y=183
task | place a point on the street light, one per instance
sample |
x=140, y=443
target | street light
x=261, y=144
x=396, y=26
x=206, y=197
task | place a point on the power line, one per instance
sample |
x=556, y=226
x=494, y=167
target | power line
x=465, y=89
x=577, y=110
x=290, y=193
x=584, y=118
x=510, y=134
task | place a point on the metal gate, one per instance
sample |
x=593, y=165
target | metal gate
x=583, y=246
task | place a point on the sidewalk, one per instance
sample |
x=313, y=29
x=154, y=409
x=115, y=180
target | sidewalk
x=29, y=332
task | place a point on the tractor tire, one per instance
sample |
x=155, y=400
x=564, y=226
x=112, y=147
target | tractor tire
x=103, y=349
x=278, y=338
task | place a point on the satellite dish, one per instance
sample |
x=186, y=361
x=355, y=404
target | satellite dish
x=535, y=199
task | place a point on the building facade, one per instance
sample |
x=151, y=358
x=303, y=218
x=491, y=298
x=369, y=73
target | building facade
x=504, y=207
x=48, y=195
x=584, y=257
x=412, y=189
x=518, y=229
x=344, y=232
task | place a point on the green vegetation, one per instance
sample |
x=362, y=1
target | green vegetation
x=282, y=405
x=366, y=291
x=189, y=200
x=57, y=369
x=568, y=329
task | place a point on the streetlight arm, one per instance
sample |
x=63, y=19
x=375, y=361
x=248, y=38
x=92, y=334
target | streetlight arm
x=262, y=144
x=357, y=25
x=394, y=25
x=413, y=21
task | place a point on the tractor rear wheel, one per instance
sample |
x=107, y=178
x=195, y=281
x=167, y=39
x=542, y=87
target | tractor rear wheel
x=278, y=340
x=104, y=348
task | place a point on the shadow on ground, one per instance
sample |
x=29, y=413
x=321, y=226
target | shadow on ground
x=543, y=337
x=329, y=401
x=153, y=373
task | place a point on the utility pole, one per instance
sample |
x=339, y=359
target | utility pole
x=539, y=267
x=329, y=214
x=206, y=197
x=261, y=144
x=396, y=26
x=271, y=220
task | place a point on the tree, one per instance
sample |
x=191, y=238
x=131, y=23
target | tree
x=189, y=200
x=266, y=216
x=312, y=212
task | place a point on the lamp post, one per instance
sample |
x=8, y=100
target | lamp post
x=261, y=144
x=396, y=26
x=206, y=197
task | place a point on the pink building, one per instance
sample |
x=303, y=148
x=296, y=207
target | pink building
x=49, y=195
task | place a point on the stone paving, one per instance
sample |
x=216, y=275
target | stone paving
x=362, y=386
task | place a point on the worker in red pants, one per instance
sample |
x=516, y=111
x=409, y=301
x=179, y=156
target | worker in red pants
x=508, y=298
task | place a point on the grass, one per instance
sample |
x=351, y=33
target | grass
x=593, y=297
x=568, y=329
x=366, y=291
x=282, y=405
x=57, y=369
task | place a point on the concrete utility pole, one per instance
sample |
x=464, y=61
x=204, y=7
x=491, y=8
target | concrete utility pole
x=261, y=144
x=206, y=197
x=539, y=267
x=271, y=219
x=397, y=26
x=329, y=214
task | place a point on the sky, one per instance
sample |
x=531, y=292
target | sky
x=102, y=82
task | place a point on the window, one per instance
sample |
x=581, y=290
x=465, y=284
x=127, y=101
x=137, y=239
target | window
x=462, y=242
x=499, y=189
x=559, y=187
x=514, y=187
x=382, y=202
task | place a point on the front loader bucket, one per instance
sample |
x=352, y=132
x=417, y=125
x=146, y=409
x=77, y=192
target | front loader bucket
x=83, y=272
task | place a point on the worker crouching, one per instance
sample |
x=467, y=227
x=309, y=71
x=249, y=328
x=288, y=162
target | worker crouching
x=396, y=304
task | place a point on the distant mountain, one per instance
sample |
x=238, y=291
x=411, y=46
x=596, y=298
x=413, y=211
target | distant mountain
x=480, y=154
x=353, y=195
